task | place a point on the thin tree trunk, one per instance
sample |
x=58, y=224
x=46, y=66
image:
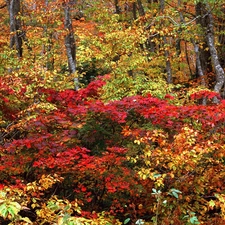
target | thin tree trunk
x=134, y=10
x=47, y=47
x=168, y=64
x=167, y=54
x=178, y=41
x=220, y=75
x=204, y=54
x=141, y=10
x=118, y=9
x=221, y=38
x=15, y=26
x=198, y=63
x=187, y=59
x=199, y=68
x=70, y=44
x=162, y=5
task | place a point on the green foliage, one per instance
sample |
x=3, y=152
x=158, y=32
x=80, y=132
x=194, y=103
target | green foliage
x=10, y=209
x=124, y=86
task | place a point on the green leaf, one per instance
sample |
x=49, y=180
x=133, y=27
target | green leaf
x=12, y=211
x=175, y=194
x=126, y=221
x=156, y=175
x=67, y=207
x=2, y=206
x=3, y=210
x=212, y=203
x=175, y=190
x=52, y=206
x=194, y=220
x=16, y=205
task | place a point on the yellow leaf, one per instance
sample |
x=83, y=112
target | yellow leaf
x=137, y=142
x=211, y=204
x=60, y=221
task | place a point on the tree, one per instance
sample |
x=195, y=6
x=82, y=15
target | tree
x=204, y=54
x=15, y=26
x=220, y=77
x=70, y=42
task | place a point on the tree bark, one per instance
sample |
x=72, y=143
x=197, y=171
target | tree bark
x=204, y=54
x=141, y=10
x=118, y=9
x=15, y=26
x=198, y=62
x=199, y=68
x=134, y=10
x=178, y=41
x=220, y=75
x=168, y=64
x=47, y=47
x=70, y=43
x=221, y=38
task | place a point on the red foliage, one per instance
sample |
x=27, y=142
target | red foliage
x=89, y=142
x=205, y=94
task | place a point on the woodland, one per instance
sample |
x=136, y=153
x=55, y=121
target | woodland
x=112, y=112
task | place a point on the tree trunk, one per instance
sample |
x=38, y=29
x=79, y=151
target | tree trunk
x=178, y=40
x=141, y=10
x=70, y=44
x=199, y=68
x=134, y=10
x=162, y=5
x=15, y=26
x=168, y=64
x=204, y=54
x=118, y=9
x=221, y=37
x=198, y=62
x=220, y=76
x=47, y=47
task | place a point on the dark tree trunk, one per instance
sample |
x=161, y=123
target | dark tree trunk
x=134, y=10
x=16, y=37
x=141, y=10
x=220, y=75
x=167, y=54
x=178, y=40
x=118, y=9
x=204, y=54
x=221, y=37
x=47, y=47
x=198, y=62
x=70, y=43
x=199, y=68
